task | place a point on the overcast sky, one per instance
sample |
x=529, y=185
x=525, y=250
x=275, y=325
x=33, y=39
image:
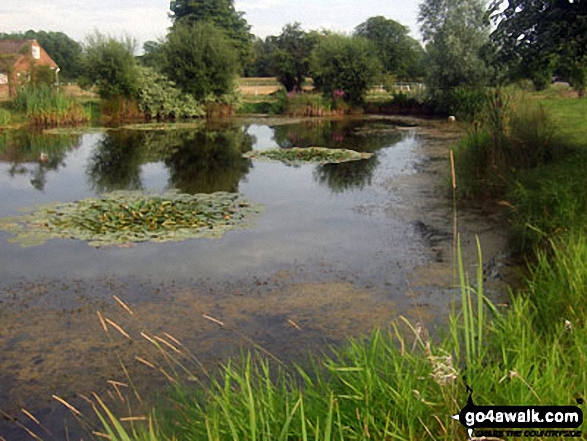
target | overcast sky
x=148, y=19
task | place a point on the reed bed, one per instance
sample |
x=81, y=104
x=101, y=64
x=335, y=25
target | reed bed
x=45, y=106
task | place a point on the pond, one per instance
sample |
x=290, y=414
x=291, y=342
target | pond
x=337, y=250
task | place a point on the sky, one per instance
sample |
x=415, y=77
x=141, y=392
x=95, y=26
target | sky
x=148, y=19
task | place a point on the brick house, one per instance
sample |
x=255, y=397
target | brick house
x=17, y=58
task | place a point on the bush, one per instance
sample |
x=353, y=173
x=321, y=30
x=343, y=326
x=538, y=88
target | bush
x=461, y=102
x=110, y=64
x=158, y=98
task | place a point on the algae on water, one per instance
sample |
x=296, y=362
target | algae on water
x=312, y=155
x=124, y=217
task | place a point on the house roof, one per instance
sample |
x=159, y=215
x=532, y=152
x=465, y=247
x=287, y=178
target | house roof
x=15, y=47
x=9, y=47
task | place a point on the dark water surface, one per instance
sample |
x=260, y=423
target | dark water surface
x=332, y=255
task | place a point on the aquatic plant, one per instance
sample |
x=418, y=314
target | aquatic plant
x=45, y=106
x=314, y=155
x=125, y=217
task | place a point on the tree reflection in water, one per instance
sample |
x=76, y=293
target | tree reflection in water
x=359, y=135
x=34, y=154
x=198, y=161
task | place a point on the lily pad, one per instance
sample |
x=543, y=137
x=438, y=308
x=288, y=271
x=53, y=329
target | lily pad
x=311, y=155
x=127, y=217
x=164, y=126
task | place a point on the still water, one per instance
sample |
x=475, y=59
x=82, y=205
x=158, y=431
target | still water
x=333, y=254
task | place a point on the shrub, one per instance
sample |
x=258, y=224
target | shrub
x=110, y=64
x=158, y=98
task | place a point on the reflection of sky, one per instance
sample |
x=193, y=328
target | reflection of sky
x=263, y=135
x=304, y=221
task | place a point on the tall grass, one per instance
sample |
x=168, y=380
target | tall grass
x=44, y=106
x=5, y=117
x=511, y=133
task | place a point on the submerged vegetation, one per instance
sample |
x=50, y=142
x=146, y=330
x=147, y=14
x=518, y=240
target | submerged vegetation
x=126, y=217
x=314, y=155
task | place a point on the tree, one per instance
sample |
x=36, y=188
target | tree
x=110, y=64
x=152, y=54
x=399, y=53
x=455, y=32
x=200, y=59
x=533, y=34
x=291, y=57
x=261, y=63
x=347, y=64
x=221, y=13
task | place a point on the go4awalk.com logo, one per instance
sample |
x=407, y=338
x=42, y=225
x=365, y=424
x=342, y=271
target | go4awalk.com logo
x=520, y=421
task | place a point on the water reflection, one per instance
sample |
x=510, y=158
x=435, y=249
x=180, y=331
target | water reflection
x=358, y=135
x=209, y=161
x=347, y=175
x=34, y=154
x=198, y=161
x=116, y=162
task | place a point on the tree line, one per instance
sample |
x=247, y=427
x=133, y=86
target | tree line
x=467, y=45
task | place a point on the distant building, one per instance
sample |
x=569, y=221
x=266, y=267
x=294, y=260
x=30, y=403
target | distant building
x=17, y=58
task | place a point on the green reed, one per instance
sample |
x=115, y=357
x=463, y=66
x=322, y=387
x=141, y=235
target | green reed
x=46, y=106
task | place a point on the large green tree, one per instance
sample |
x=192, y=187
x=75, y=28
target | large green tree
x=455, y=32
x=223, y=14
x=200, y=59
x=400, y=54
x=291, y=56
x=347, y=64
x=533, y=35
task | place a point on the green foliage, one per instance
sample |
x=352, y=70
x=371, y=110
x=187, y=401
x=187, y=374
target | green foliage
x=5, y=117
x=314, y=155
x=153, y=54
x=125, y=217
x=455, y=32
x=110, y=64
x=46, y=106
x=464, y=103
x=42, y=75
x=511, y=134
x=399, y=53
x=347, y=64
x=201, y=60
x=223, y=15
x=533, y=35
x=579, y=77
x=550, y=201
x=290, y=58
x=307, y=104
x=261, y=63
x=159, y=99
